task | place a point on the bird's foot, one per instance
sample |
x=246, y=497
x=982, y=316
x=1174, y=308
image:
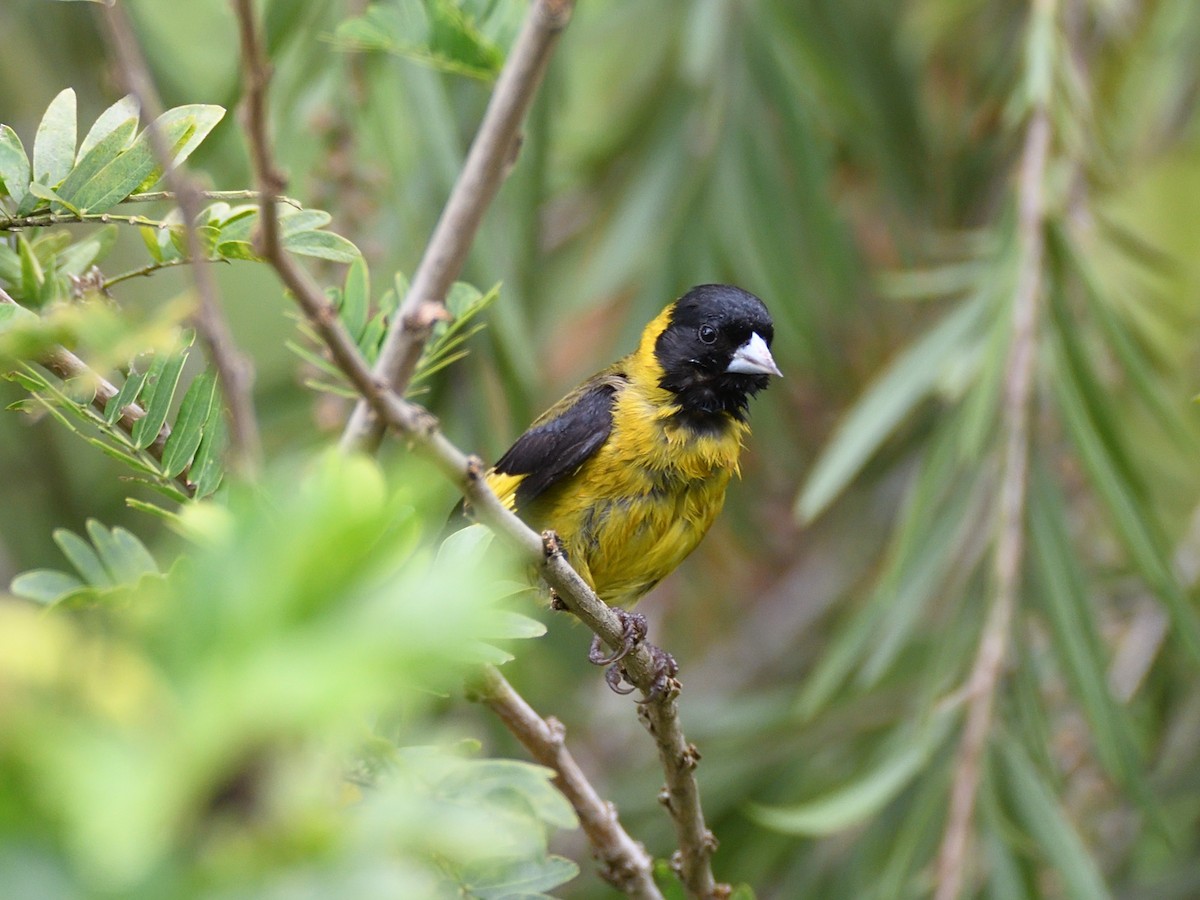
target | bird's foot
x=665, y=669
x=633, y=632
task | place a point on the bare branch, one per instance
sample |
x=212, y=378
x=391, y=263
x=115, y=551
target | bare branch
x=67, y=366
x=661, y=712
x=234, y=370
x=985, y=674
x=625, y=864
x=487, y=164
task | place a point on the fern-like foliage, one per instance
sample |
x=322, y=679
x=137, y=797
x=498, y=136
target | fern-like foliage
x=178, y=455
x=368, y=325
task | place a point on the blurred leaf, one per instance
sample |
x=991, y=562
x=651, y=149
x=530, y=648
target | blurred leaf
x=893, y=396
x=356, y=299
x=322, y=245
x=860, y=800
x=1097, y=442
x=14, y=165
x=45, y=586
x=437, y=33
x=1040, y=812
x=82, y=254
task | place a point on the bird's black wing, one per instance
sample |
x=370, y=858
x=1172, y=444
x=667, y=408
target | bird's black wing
x=563, y=438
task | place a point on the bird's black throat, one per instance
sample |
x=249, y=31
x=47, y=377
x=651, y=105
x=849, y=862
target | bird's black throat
x=707, y=402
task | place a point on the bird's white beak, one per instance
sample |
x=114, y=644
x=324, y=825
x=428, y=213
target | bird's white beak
x=753, y=358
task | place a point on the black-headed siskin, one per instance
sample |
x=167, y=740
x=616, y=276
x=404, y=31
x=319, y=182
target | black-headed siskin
x=631, y=467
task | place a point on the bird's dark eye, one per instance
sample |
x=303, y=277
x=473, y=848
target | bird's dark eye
x=707, y=334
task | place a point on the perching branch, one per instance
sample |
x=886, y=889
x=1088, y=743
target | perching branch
x=625, y=864
x=660, y=713
x=985, y=674
x=67, y=366
x=234, y=371
x=486, y=166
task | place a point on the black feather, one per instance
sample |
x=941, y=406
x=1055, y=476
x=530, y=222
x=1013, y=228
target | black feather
x=558, y=445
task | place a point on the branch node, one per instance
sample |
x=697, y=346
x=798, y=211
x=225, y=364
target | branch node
x=552, y=545
x=474, y=469
x=664, y=797
x=556, y=13
x=690, y=758
x=557, y=731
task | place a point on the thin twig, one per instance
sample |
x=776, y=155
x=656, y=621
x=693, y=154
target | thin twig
x=156, y=196
x=661, y=712
x=67, y=366
x=625, y=864
x=488, y=162
x=985, y=674
x=149, y=269
x=234, y=370
x=46, y=219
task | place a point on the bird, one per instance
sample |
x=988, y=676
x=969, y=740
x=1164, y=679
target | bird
x=630, y=468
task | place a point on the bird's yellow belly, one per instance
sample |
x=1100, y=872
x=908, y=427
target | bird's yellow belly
x=628, y=520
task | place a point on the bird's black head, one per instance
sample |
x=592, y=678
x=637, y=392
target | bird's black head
x=715, y=352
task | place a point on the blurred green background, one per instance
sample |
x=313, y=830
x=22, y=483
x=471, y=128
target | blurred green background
x=853, y=163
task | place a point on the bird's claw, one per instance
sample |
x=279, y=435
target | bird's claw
x=633, y=632
x=665, y=670
x=614, y=677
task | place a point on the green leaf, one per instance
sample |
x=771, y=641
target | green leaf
x=81, y=185
x=236, y=250
x=54, y=144
x=109, y=179
x=206, y=471
x=322, y=245
x=437, y=33
x=124, y=110
x=44, y=193
x=45, y=586
x=10, y=264
x=866, y=796
x=1104, y=464
x=81, y=555
x=186, y=127
x=1064, y=595
x=14, y=165
x=32, y=276
x=128, y=393
x=188, y=430
x=295, y=221
x=1044, y=817
x=519, y=879
x=125, y=559
x=161, y=382
x=893, y=396
x=123, y=555
x=356, y=299
x=81, y=255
